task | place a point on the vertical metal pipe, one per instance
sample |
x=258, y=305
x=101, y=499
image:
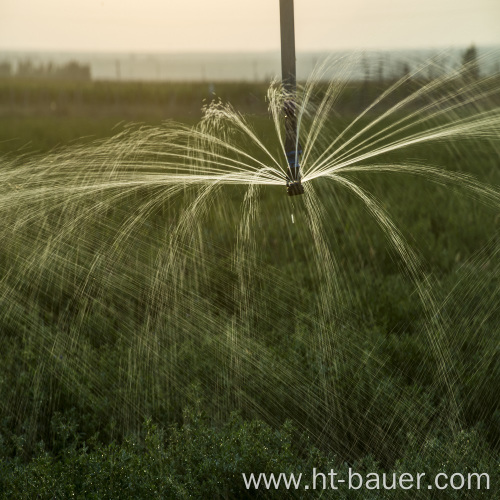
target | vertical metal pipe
x=289, y=79
x=288, y=71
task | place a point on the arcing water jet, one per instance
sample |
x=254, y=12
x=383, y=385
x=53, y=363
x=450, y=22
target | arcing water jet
x=289, y=78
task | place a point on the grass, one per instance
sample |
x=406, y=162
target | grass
x=40, y=115
x=82, y=373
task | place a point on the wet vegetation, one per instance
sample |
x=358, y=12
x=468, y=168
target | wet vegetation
x=104, y=396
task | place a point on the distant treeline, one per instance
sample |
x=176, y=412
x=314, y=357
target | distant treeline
x=470, y=67
x=257, y=68
x=72, y=70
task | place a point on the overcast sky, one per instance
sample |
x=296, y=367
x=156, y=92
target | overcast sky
x=237, y=25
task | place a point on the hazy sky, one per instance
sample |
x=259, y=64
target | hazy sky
x=237, y=25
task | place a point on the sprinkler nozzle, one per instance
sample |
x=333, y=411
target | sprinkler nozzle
x=293, y=181
x=294, y=188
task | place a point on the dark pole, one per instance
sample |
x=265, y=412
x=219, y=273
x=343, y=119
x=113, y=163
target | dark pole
x=289, y=79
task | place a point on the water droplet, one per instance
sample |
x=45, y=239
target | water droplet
x=293, y=219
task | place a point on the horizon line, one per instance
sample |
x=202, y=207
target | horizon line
x=244, y=51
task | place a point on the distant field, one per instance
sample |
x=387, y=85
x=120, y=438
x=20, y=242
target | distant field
x=37, y=115
x=41, y=115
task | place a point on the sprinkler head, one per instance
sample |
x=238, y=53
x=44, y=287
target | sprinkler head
x=294, y=188
x=294, y=185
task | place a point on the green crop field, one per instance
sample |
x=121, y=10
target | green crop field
x=161, y=338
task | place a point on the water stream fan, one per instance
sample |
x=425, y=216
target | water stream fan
x=289, y=79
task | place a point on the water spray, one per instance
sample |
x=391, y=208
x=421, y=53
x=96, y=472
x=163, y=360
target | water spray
x=289, y=79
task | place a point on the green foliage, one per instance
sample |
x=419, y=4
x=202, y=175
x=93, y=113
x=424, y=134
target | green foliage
x=470, y=63
x=200, y=460
x=81, y=370
x=195, y=460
